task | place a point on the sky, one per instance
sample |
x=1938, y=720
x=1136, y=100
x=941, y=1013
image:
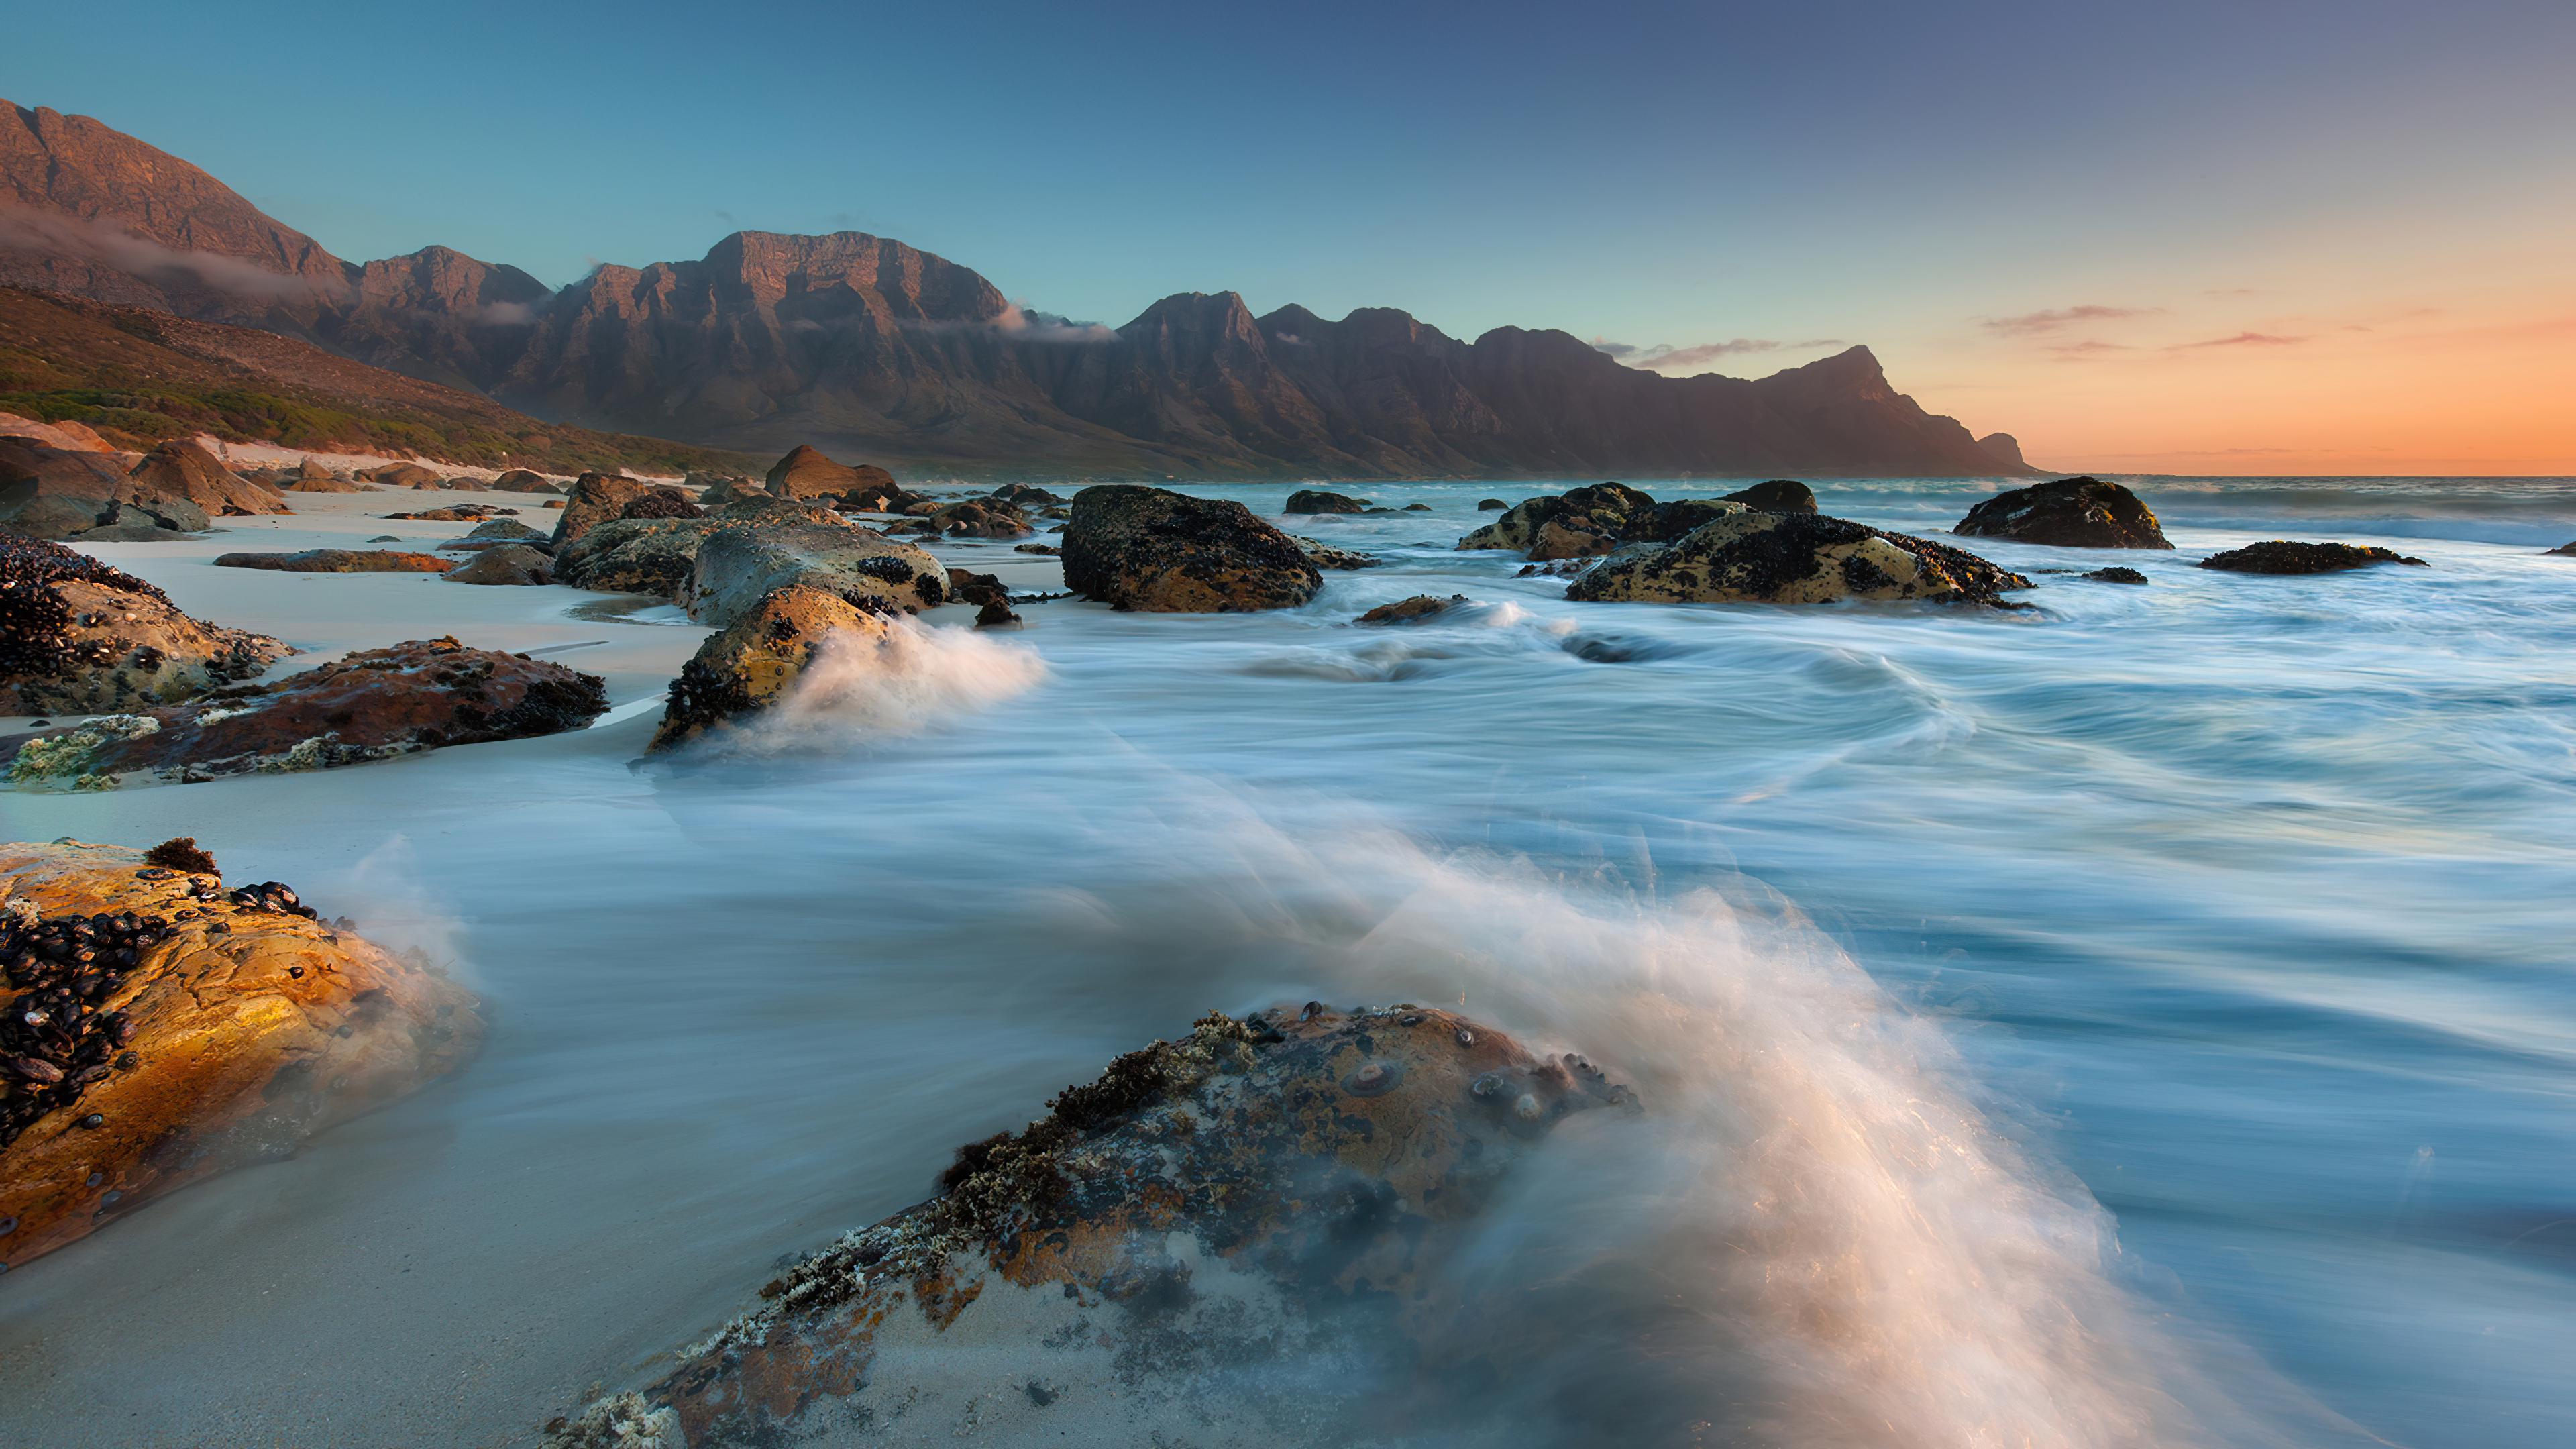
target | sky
x=2258, y=237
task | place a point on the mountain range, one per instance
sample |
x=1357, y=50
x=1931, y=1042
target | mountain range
x=873, y=349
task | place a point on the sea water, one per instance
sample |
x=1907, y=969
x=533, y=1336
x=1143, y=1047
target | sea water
x=2145, y=1018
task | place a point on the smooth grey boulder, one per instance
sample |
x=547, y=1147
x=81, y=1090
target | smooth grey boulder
x=736, y=567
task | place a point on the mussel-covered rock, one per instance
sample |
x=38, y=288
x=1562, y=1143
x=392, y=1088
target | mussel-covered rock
x=1244, y=1236
x=1325, y=556
x=1135, y=547
x=2282, y=557
x=1795, y=558
x=2067, y=513
x=661, y=503
x=79, y=637
x=370, y=705
x=1587, y=522
x=156, y=1029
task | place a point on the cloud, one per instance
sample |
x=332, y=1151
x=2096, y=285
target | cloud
x=2034, y=322
x=2241, y=339
x=1292, y=339
x=2086, y=350
x=1022, y=324
x=503, y=314
x=1662, y=356
x=108, y=241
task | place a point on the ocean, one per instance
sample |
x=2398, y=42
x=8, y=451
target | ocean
x=2147, y=1018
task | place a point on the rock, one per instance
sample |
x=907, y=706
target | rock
x=1796, y=558
x=506, y=563
x=229, y=1037
x=185, y=470
x=1325, y=556
x=402, y=475
x=2279, y=557
x=337, y=561
x=384, y=538
x=311, y=471
x=1554, y=541
x=805, y=473
x=1611, y=512
x=2005, y=449
x=506, y=528
x=70, y=437
x=370, y=705
x=754, y=662
x=1287, y=1188
x=1490, y=504
x=2066, y=513
x=2564, y=548
x=521, y=480
x=323, y=484
x=1023, y=495
x=431, y=485
x=661, y=503
x=996, y=615
x=886, y=498
x=1316, y=500
x=2116, y=575
x=1048, y=549
x=634, y=556
x=722, y=491
x=57, y=493
x=1780, y=495
x=462, y=512
x=78, y=637
x=596, y=498
x=982, y=518
x=736, y=567
x=1411, y=611
x=1135, y=547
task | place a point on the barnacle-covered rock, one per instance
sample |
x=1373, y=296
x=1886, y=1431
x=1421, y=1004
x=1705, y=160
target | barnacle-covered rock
x=79, y=637
x=1235, y=1237
x=373, y=704
x=2067, y=513
x=757, y=659
x=158, y=1029
x=1135, y=547
x=1324, y=556
x=1593, y=520
x=1795, y=558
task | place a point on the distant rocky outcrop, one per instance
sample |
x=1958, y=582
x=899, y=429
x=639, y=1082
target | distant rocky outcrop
x=2564, y=549
x=1135, y=547
x=1795, y=558
x=2005, y=449
x=2067, y=513
x=79, y=637
x=806, y=474
x=165, y=1030
x=2281, y=557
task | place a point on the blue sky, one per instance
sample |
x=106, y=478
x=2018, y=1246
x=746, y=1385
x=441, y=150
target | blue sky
x=1684, y=175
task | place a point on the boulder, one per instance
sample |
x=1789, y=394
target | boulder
x=521, y=480
x=1489, y=505
x=1050, y=550
x=506, y=563
x=886, y=498
x=337, y=561
x=1611, y=512
x=1136, y=547
x=1325, y=556
x=185, y=470
x=2066, y=513
x=1411, y=611
x=805, y=473
x=70, y=437
x=1780, y=495
x=79, y=637
x=982, y=518
x=1554, y=541
x=755, y=662
x=596, y=498
x=1259, y=1233
x=211, y=1029
x=309, y=470
x=1316, y=500
x=370, y=705
x=2116, y=575
x=2280, y=557
x=402, y=475
x=2562, y=549
x=1024, y=495
x=736, y=567
x=1795, y=558
x=661, y=503
x=506, y=528
x=460, y=513
x=323, y=484
x=722, y=491
x=633, y=556
x=59, y=493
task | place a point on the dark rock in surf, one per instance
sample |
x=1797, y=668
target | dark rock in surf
x=1491, y=504
x=2281, y=557
x=2066, y=513
x=1135, y=547
x=1796, y=558
x=2116, y=575
x=1780, y=495
x=1023, y=495
x=1316, y=500
x=758, y=659
x=1588, y=522
x=2564, y=548
x=1325, y=556
x=1211, y=1201
x=1414, y=610
x=596, y=498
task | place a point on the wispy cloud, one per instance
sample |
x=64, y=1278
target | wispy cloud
x=1663, y=356
x=1019, y=322
x=108, y=241
x=2088, y=350
x=2030, y=323
x=2241, y=339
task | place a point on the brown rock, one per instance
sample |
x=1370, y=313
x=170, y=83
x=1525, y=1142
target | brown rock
x=732, y=490
x=323, y=484
x=1555, y=541
x=806, y=473
x=78, y=637
x=982, y=518
x=188, y=471
x=661, y=503
x=1796, y=558
x=61, y=493
x=506, y=563
x=1135, y=547
x=597, y=498
x=403, y=475
x=1264, y=1189
x=337, y=561
x=755, y=661
x=520, y=480
x=1411, y=611
x=219, y=1047
x=370, y=705
x=736, y=567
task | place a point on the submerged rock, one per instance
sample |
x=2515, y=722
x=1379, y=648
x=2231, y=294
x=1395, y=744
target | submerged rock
x=2116, y=575
x=1135, y=547
x=207, y=1030
x=756, y=661
x=1588, y=522
x=1411, y=611
x=1796, y=558
x=2281, y=557
x=1489, y=505
x=1246, y=1236
x=79, y=637
x=337, y=561
x=370, y=705
x=1316, y=500
x=2067, y=513
x=1780, y=495
x=1325, y=556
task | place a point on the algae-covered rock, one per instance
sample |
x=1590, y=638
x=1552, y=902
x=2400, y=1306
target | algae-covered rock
x=1795, y=558
x=1135, y=547
x=1238, y=1237
x=159, y=1030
